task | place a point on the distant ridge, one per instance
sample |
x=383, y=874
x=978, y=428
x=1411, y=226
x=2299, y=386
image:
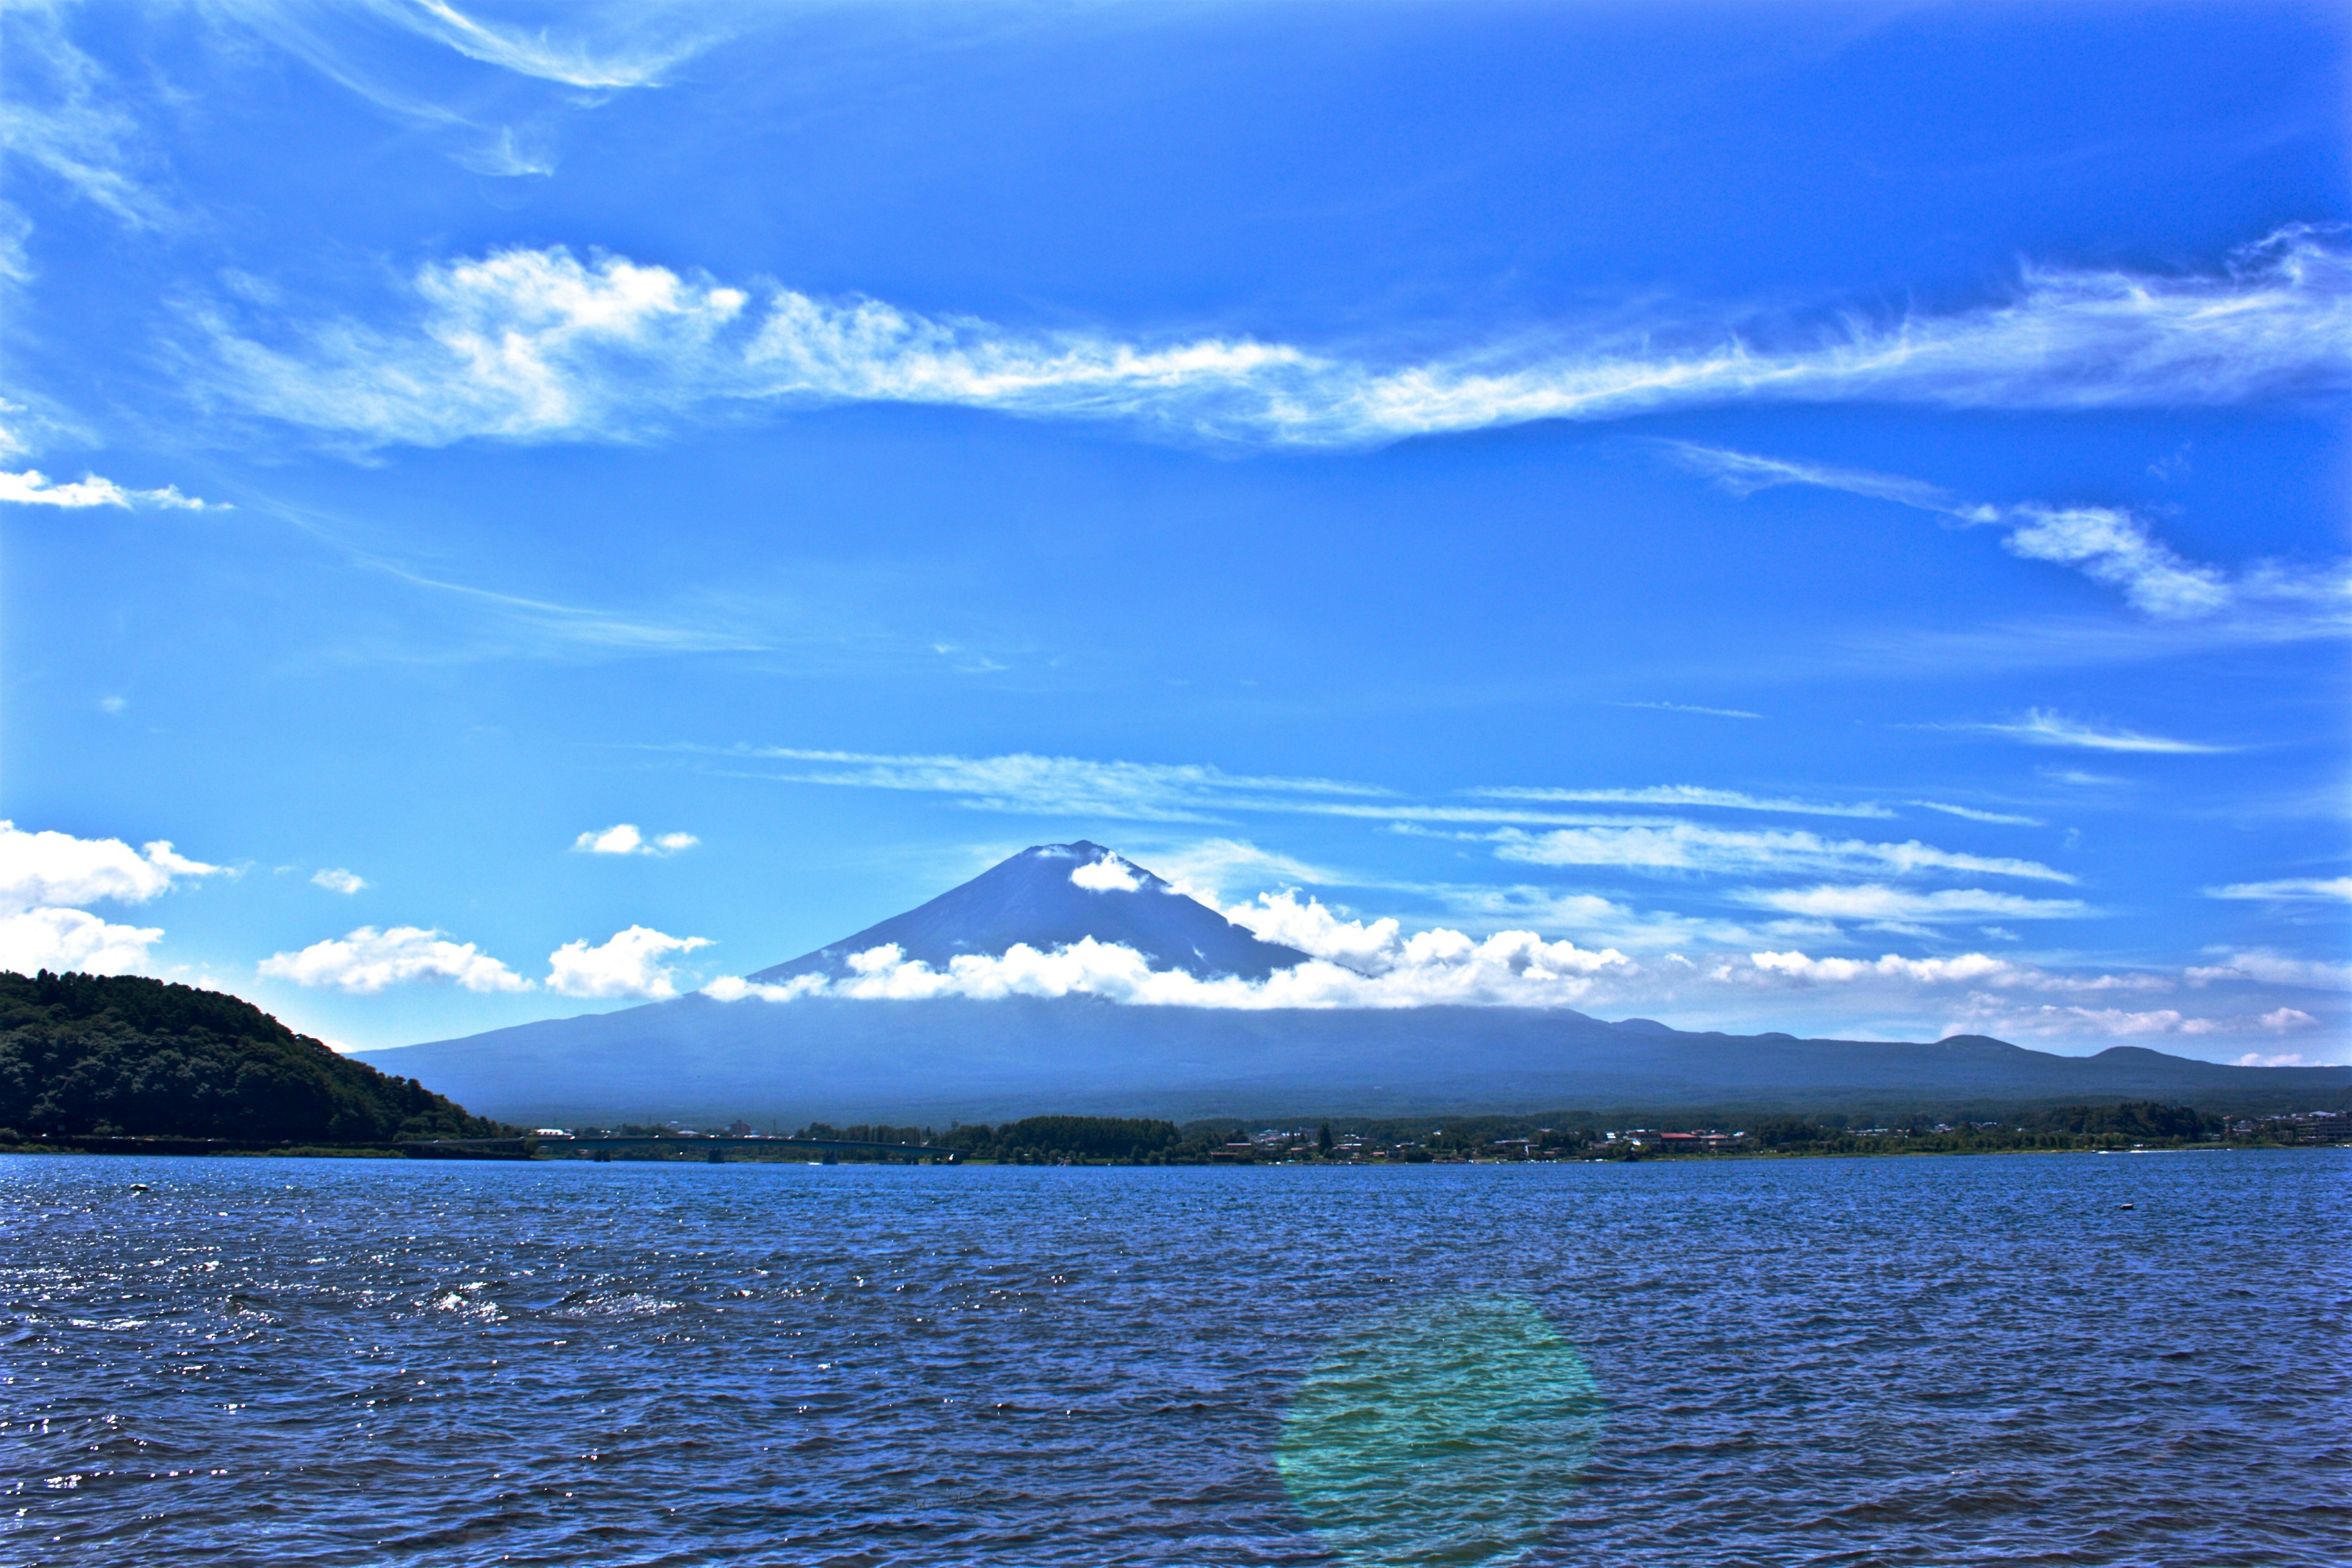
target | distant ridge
x=1050, y=896
x=836, y=1059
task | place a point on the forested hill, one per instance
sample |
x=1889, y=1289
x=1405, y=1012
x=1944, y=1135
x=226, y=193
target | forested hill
x=82, y=1054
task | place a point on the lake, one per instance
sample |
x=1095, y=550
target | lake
x=2067, y=1359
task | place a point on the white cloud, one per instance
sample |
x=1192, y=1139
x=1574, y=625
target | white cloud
x=1987, y=1017
x=540, y=345
x=71, y=940
x=1972, y=968
x=1110, y=874
x=367, y=960
x=1591, y=917
x=1430, y=968
x=1984, y=1013
x=335, y=879
x=1356, y=963
x=2287, y=889
x=1694, y=795
x=629, y=963
x=1875, y=902
x=33, y=487
x=2113, y=547
x=624, y=838
x=1689, y=845
x=49, y=868
x=735, y=988
x=2282, y=1059
x=2108, y=544
x=1894, y=972
x=2046, y=729
x=1312, y=928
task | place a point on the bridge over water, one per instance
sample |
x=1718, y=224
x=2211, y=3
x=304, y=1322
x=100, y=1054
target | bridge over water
x=705, y=1148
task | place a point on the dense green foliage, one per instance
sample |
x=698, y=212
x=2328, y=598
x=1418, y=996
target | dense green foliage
x=1034, y=1141
x=1039, y=1138
x=85, y=1054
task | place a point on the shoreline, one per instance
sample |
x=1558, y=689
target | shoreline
x=178, y=1150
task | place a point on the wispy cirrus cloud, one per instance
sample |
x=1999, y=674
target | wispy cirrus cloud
x=1972, y=814
x=2111, y=545
x=599, y=48
x=64, y=115
x=541, y=345
x=1069, y=787
x=1209, y=868
x=1694, y=846
x=2042, y=728
x=1691, y=707
x=608, y=47
x=1690, y=795
x=2288, y=889
x=1189, y=792
x=1878, y=904
x=2275, y=969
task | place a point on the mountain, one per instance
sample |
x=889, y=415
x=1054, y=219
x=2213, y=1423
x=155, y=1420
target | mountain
x=83, y=1054
x=824, y=1057
x=830, y=1058
x=1050, y=896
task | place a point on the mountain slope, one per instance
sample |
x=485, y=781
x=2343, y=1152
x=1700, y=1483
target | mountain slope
x=831, y=1058
x=1050, y=896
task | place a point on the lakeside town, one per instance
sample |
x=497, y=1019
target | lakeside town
x=1080, y=1139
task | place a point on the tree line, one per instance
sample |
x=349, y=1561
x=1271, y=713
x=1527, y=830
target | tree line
x=87, y=1055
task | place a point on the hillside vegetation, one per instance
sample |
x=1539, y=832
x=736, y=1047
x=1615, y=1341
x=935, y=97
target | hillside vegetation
x=86, y=1054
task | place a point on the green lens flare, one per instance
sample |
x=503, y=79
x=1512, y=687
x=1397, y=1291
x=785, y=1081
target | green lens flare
x=1449, y=1431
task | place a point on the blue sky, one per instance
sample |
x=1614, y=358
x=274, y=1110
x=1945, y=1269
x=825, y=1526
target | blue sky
x=1832, y=518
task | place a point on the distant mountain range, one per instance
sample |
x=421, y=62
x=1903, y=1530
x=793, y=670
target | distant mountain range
x=842, y=1059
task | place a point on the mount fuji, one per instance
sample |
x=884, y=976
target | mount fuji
x=812, y=1052
x=1051, y=896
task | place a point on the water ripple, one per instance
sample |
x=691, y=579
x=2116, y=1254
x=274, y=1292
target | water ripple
x=1933, y=1362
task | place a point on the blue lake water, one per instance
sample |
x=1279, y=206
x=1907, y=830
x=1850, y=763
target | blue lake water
x=1897, y=1361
